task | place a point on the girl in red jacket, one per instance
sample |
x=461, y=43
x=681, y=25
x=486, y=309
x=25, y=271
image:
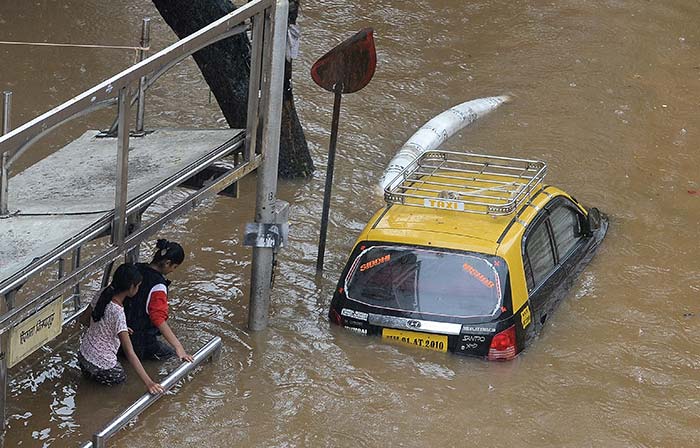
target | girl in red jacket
x=147, y=312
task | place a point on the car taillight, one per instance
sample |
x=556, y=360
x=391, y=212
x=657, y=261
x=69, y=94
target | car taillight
x=335, y=317
x=503, y=345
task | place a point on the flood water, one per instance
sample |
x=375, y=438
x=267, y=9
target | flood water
x=605, y=91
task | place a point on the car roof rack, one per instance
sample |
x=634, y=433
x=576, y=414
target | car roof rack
x=466, y=182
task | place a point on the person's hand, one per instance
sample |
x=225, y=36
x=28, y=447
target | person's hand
x=155, y=388
x=183, y=355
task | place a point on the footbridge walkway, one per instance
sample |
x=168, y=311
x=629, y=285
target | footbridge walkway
x=69, y=216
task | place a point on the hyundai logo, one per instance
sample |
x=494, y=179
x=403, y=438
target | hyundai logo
x=413, y=323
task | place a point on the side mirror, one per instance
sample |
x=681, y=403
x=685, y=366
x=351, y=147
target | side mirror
x=593, y=219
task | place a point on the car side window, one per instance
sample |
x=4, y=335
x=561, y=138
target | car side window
x=539, y=254
x=566, y=228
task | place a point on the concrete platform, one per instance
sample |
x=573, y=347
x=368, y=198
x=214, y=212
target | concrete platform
x=67, y=192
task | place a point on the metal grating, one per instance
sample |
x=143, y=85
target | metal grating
x=466, y=182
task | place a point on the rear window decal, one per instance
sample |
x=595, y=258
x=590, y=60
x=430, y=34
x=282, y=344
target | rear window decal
x=478, y=275
x=376, y=262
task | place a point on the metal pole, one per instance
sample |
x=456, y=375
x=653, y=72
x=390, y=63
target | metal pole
x=99, y=440
x=4, y=341
x=141, y=104
x=251, y=141
x=329, y=178
x=3, y=380
x=106, y=274
x=10, y=298
x=261, y=272
x=76, y=290
x=133, y=224
x=5, y=157
x=120, y=197
x=6, y=306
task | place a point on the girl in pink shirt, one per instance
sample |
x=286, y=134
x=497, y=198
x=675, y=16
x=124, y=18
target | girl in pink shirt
x=97, y=356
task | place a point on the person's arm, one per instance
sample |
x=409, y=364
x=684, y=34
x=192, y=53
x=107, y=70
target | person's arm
x=158, y=313
x=153, y=387
x=172, y=340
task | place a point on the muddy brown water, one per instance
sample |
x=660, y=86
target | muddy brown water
x=607, y=92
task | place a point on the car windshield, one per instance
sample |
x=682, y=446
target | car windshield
x=428, y=281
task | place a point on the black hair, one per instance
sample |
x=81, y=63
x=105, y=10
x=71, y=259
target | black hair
x=293, y=11
x=126, y=276
x=168, y=251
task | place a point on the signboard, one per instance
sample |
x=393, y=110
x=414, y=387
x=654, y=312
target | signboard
x=444, y=203
x=266, y=235
x=36, y=331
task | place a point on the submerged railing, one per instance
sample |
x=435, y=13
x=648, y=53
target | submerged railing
x=99, y=440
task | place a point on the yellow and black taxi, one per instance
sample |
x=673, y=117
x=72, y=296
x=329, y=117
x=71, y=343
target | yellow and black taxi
x=471, y=254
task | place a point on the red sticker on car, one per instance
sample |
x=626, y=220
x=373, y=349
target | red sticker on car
x=372, y=263
x=478, y=275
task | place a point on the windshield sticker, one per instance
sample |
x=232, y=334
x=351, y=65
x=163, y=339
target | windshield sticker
x=372, y=263
x=478, y=275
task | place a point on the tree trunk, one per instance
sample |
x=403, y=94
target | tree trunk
x=295, y=159
x=225, y=66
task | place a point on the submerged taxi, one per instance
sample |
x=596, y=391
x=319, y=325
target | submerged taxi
x=471, y=254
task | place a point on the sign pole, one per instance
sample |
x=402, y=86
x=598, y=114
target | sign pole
x=329, y=178
x=347, y=68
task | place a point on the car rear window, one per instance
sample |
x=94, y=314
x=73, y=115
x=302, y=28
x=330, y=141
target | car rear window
x=427, y=281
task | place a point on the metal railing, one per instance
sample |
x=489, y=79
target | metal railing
x=116, y=90
x=99, y=440
x=5, y=157
x=266, y=20
x=19, y=140
x=466, y=182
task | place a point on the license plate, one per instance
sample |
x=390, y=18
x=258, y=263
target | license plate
x=423, y=340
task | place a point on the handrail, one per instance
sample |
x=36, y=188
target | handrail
x=150, y=80
x=16, y=141
x=211, y=349
x=268, y=19
x=16, y=315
